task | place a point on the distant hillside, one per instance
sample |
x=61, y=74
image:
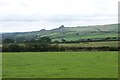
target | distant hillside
x=69, y=33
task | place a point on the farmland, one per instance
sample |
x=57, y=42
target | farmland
x=60, y=64
x=62, y=53
x=92, y=44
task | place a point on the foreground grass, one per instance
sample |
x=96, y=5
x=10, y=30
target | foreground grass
x=60, y=65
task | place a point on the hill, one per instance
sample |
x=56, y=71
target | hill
x=68, y=33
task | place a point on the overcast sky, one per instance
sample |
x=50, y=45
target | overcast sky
x=33, y=15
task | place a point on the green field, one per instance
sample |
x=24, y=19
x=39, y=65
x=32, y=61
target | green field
x=60, y=65
x=92, y=44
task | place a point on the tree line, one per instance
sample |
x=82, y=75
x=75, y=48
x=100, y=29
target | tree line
x=44, y=44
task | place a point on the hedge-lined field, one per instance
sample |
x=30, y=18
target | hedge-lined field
x=55, y=47
x=92, y=44
x=60, y=64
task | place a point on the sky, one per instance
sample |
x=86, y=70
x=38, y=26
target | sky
x=34, y=15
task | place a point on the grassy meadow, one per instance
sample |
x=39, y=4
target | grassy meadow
x=92, y=44
x=60, y=64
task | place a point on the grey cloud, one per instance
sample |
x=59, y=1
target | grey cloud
x=56, y=18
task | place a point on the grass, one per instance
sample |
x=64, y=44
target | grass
x=100, y=35
x=60, y=65
x=0, y=65
x=73, y=36
x=91, y=44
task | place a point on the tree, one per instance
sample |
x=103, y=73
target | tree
x=63, y=40
x=56, y=41
x=20, y=39
x=45, y=40
x=8, y=40
x=77, y=33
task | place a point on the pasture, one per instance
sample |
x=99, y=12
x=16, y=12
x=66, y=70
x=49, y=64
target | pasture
x=92, y=44
x=60, y=65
